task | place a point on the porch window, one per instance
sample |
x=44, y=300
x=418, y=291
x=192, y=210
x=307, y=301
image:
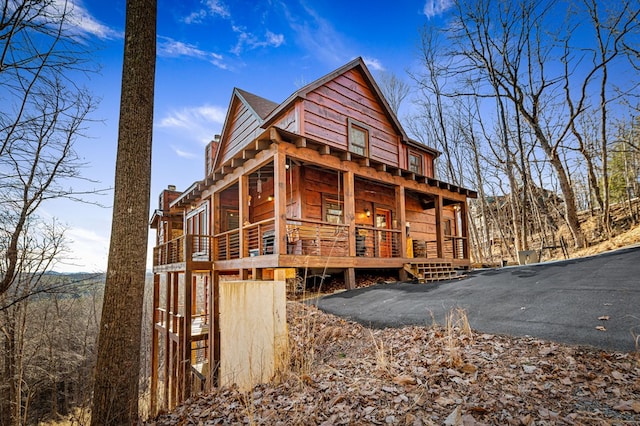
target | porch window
x=332, y=209
x=415, y=162
x=358, y=138
x=447, y=227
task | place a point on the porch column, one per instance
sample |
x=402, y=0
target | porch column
x=185, y=356
x=464, y=221
x=401, y=219
x=215, y=224
x=154, y=345
x=350, y=210
x=439, y=227
x=243, y=212
x=214, y=330
x=280, y=200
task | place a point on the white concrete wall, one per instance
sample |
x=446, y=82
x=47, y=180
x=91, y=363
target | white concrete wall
x=253, y=331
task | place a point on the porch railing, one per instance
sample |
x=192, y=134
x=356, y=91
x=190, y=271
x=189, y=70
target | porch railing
x=260, y=238
x=227, y=245
x=317, y=238
x=194, y=247
x=453, y=248
x=376, y=242
x=304, y=237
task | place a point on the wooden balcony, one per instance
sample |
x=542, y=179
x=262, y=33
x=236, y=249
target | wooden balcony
x=192, y=249
x=304, y=237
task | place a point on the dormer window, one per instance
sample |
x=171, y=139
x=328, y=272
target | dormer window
x=415, y=162
x=358, y=138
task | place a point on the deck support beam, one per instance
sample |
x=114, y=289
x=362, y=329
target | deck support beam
x=350, y=278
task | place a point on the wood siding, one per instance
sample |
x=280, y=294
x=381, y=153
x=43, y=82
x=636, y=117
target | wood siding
x=327, y=108
x=242, y=128
x=423, y=222
x=288, y=121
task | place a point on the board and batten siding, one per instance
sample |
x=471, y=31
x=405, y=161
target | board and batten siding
x=244, y=127
x=327, y=108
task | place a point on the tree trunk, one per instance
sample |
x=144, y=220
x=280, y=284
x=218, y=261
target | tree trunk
x=115, y=397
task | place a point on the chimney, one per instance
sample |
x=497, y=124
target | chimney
x=209, y=154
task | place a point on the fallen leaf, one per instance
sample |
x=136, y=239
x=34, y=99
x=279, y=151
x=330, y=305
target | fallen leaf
x=603, y=318
x=469, y=368
x=455, y=418
x=443, y=400
x=601, y=328
x=404, y=380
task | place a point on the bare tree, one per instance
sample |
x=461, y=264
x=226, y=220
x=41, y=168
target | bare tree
x=115, y=396
x=394, y=89
x=44, y=112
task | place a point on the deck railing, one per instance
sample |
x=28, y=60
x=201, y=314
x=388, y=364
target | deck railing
x=317, y=238
x=376, y=242
x=453, y=248
x=303, y=237
x=176, y=321
x=193, y=247
x=260, y=238
x=227, y=245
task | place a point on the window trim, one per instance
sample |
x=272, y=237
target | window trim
x=351, y=124
x=419, y=157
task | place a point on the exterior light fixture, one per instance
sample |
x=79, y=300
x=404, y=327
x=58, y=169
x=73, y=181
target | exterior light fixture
x=367, y=212
x=270, y=198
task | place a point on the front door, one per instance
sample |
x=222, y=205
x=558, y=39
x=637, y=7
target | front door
x=383, y=238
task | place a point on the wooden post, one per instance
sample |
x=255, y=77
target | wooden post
x=280, y=200
x=214, y=330
x=154, y=346
x=243, y=211
x=464, y=220
x=350, y=278
x=439, y=227
x=350, y=209
x=401, y=219
x=167, y=341
x=185, y=356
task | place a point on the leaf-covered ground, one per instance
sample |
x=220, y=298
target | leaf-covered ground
x=343, y=373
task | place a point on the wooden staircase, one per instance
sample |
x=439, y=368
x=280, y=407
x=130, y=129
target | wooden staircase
x=431, y=271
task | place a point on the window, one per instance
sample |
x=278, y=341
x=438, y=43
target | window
x=332, y=209
x=447, y=227
x=197, y=221
x=358, y=138
x=415, y=162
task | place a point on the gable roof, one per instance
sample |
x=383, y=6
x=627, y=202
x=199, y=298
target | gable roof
x=356, y=63
x=260, y=105
x=257, y=105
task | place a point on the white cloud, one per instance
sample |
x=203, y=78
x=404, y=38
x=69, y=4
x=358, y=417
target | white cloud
x=184, y=154
x=373, y=63
x=201, y=122
x=315, y=34
x=168, y=47
x=88, y=251
x=210, y=8
x=436, y=7
x=82, y=21
x=247, y=40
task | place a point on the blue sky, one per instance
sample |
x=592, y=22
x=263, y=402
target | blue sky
x=205, y=49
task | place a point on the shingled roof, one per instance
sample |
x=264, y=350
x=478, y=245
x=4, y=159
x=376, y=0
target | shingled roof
x=260, y=105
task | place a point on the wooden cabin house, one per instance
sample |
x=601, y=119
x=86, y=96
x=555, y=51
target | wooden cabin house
x=326, y=181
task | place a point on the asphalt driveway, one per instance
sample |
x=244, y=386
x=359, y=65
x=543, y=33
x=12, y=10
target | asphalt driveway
x=558, y=301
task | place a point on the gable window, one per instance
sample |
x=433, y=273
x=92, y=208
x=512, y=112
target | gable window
x=415, y=162
x=358, y=138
